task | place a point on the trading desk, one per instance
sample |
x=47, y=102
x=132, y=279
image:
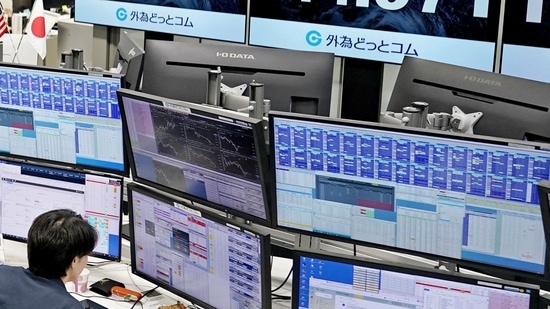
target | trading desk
x=15, y=253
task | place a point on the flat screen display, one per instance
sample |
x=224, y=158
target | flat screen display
x=212, y=19
x=198, y=256
x=526, y=40
x=456, y=32
x=29, y=190
x=205, y=154
x=470, y=199
x=328, y=281
x=61, y=116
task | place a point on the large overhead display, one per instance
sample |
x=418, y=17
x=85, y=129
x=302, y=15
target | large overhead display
x=215, y=19
x=526, y=40
x=456, y=32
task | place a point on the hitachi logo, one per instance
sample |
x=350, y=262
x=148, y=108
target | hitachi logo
x=235, y=55
x=483, y=80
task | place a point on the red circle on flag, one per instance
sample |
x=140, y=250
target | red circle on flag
x=38, y=27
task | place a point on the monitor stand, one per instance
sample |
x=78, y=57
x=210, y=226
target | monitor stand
x=125, y=231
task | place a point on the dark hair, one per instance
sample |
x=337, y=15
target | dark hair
x=55, y=238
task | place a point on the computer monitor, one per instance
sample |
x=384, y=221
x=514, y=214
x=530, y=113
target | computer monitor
x=129, y=61
x=68, y=117
x=338, y=281
x=294, y=81
x=28, y=190
x=200, y=256
x=208, y=154
x=512, y=107
x=458, y=32
x=460, y=198
x=543, y=188
x=223, y=20
x=525, y=40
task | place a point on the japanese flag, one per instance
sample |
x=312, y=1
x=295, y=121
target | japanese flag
x=36, y=28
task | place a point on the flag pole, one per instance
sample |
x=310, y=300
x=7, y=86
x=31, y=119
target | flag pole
x=9, y=35
x=16, y=52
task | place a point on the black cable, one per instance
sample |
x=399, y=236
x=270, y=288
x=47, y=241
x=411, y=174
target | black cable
x=279, y=296
x=143, y=295
x=284, y=282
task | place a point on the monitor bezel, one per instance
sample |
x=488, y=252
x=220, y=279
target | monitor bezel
x=478, y=266
x=120, y=178
x=125, y=172
x=261, y=152
x=265, y=242
x=407, y=269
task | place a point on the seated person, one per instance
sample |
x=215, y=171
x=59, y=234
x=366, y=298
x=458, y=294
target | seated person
x=58, y=245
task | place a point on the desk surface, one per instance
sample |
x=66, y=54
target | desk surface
x=15, y=254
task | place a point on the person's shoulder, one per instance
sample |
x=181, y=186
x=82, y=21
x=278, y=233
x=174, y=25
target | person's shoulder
x=11, y=269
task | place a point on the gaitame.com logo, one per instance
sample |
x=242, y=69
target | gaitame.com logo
x=121, y=14
x=314, y=38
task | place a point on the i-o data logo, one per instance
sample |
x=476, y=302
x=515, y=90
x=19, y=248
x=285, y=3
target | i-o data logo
x=481, y=7
x=314, y=38
x=121, y=14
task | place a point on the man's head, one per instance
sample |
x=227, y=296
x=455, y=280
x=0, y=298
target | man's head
x=58, y=244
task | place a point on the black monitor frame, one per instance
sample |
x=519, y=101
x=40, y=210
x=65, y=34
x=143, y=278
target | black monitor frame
x=434, y=273
x=294, y=81
x=129, y=57
x=543, y=189
x=33, y=169
x=512, y=107
x=259, y=138
x=500, y=271
x=125, y=171
x=265, y=284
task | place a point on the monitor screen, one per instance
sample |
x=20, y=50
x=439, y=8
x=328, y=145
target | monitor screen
x=129, y=61
x=21, y=5
x=61, y=116
x=526, y=40
x=456, y=197
x=202, y=257
x=512, y=107
x=458, y=32
x=29, y=190
x=223, y=20
x=294, y=81
x=330, y=281
x=202, y=153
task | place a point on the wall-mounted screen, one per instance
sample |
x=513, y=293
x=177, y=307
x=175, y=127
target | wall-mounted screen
x=457, y=32
x=207, y=154
x=199, y=256
x=217, y=19
x=61, y=116
x=350, y=282
x=466, y=198
x=29, y=190
x=526, y=40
